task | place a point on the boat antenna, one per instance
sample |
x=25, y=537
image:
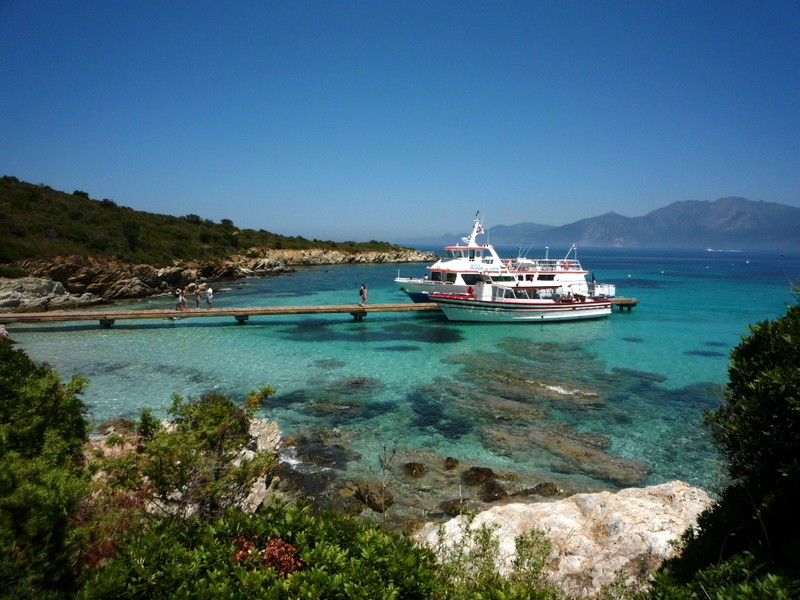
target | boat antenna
x=477, y=229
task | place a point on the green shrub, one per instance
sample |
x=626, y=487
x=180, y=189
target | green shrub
x=42, y=432
x=467, y=569
x=283, y=551
x=12, y=272
x=749, y=541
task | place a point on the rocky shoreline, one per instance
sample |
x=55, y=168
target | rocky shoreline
x=75, y=281
x=596, y=539
x=595, y=536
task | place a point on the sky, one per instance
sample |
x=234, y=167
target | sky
x=384, y=120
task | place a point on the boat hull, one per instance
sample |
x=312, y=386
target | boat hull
x=419, y=289
x=491, y=312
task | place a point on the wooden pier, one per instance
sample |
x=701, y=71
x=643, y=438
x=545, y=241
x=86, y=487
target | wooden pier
x=106, y=318
x=624, y=303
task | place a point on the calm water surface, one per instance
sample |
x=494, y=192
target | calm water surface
x=589, y=405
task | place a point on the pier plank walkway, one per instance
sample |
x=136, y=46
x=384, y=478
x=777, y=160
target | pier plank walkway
x=241, y=314
x=106, y=318
x=624, y=303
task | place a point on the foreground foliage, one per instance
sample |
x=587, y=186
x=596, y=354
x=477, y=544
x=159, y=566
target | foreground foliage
x=42, y=480
x=62, y=534
x=279, y=552
x=748, y=544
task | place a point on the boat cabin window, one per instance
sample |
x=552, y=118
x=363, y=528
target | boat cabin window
x=451, y=277
x=471, y=278
x=470, y=254
x=504, y=278
x=550, y=277
x=517, y=293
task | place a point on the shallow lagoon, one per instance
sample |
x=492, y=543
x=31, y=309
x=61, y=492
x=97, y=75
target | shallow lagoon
x=588, y=405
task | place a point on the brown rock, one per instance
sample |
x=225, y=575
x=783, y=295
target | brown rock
x=450, y=463
x=375, y=496
x=475, y=476
x=546, y=489
x=491, y=491
x=414, y=469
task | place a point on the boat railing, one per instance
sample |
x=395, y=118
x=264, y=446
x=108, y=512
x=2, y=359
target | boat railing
x=546, y=264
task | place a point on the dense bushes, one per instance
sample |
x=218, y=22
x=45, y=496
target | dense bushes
x=157, y=517
x=39, y=222
x=748, y=544
x=61, y=533
x=280, y=552
x=42, y=482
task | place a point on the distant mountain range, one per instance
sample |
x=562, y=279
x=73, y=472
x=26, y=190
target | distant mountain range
x=725, y=224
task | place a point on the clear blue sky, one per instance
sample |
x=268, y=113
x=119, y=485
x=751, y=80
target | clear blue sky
x=391, y=120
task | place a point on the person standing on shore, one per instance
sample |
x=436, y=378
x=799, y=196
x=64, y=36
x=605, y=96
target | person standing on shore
x=197, y=297
x=363, y=293
x=209, y=296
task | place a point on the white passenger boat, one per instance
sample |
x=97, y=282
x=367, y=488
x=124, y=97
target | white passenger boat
x=504, y=299
x=459, y=268
x=462, y=266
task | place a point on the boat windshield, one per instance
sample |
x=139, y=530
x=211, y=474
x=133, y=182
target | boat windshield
x=518, y=293
x=455, y=252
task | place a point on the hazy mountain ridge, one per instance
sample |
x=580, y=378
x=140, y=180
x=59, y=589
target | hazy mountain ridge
x=727, y=223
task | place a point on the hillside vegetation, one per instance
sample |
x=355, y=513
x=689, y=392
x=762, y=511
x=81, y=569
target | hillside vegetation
x=40, y=222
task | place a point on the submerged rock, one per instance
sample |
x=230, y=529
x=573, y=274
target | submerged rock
x=414, y=469
x=375, y=496
x=593, y=536
x=492, y=491
x=547, y=489
x=475, y=476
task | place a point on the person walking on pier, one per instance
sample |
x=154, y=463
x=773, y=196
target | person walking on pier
x=209, y=296
x=197, y=297
x=363, y=293
x=179, y=299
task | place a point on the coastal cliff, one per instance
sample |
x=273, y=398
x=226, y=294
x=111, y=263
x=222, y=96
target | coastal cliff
x=79, y=281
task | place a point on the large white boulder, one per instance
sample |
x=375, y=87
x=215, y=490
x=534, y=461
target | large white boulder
x=594, y=536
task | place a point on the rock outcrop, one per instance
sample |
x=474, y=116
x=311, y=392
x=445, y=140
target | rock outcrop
x=111, y=280
x=34, y=294
x=594, y=536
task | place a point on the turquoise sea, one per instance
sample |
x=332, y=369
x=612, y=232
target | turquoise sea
x=589, y=405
